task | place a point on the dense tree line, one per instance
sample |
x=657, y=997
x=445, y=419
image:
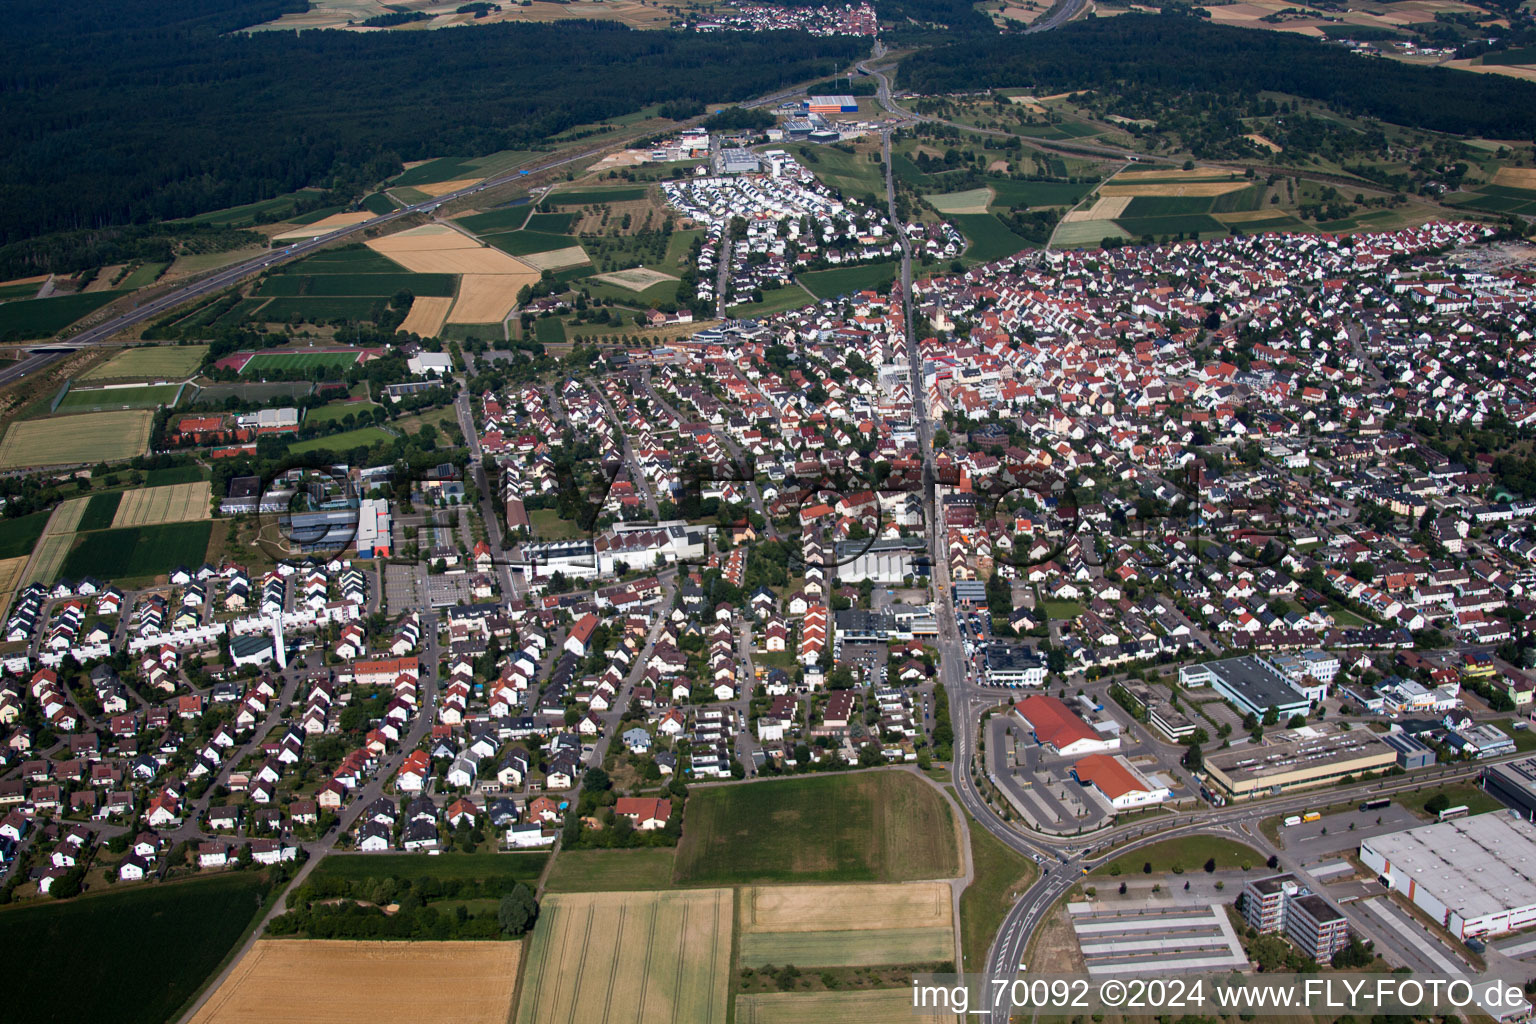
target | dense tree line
x=1175, y=55
x=150, y=111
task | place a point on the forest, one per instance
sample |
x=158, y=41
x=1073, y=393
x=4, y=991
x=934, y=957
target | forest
x=150, y=110
x=1176, y=55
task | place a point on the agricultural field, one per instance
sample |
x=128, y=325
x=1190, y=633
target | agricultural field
x=265, y=210
x=152, y=506
x=596, y=194
x=451, y=168
x=100, y=510
x=314, y=310
x=173, y=475
x=427, y=316
x=611, y=870
x=1513, y=190
x=659, y=955
x=18, y=534
x=491, y=278
x=886, y=826
x=990, y=237
x=852, y=174
x=380, y=286
x=10, y=577
x=828, y=284
x=143, y=396
x=322, y=226
x=975, y=200
x=27, y=319
x=150, y=362
x=273, y=360
x=138, y=551
x=880, y=924
x=893, y=1004
x=294, y=981
x=636, y=279
x=74, y=961
x=775, y=300
x=1012, y=194
x=63, y=440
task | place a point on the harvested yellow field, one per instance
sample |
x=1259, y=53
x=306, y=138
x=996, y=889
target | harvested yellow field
x=66, y=518
x=439, y=249
x=89, y=437
x=891, y=1004
x=1511, y=70
x=442, y=188
x=1086, y=232
x=487, y=298
x=299, y=981
x=172, y=503
x=34, y=279
x=811, y=908
x=427, y=315
x=557, y=259
x=1177, y=188
x=1166, y=173
x=10, y=575
x=1516, y=177
x=636, y=279
x=1104, y=208
x=104, y=277
x=1259, y=140
x=325, y=225
x=630, y=958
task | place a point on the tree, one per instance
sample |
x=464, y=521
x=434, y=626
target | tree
x=596, y=780
x=1193, y=758
x=1437, y=803
x=518, y=910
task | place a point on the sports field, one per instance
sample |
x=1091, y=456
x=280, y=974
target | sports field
x=139, y=550
x=847, y=925
x=150, y=362
x=177, y=503
x=295, y=981
x=142, y=396
x=298, y=361
x=89, y=437
x=890, y=1004
x=629, y=958
x=885, y=826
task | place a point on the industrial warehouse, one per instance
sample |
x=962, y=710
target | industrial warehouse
x=1476, y=876
x=1313, y=755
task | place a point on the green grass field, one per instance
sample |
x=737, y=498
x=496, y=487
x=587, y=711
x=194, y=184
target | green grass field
x=555, y=223
x=372, y=285
x=140, y=276
x=775, y=300
x=594, y=196
x=19, y=291
x=137, y=551
x=43, y=318
x=1016, y=194
x=526, y=243
x=852, y=174
x=547, y=525
x=100, y=511
x=886, y=826
x=351, y=259
x=827, y=284
x=379, y=203
x=1189, y=853
x=990, y=237
x=150, y=362
x=18, y=534
x=147, y=396
x=507, y=218
x=337, y=411
x=611, y=870
x=1167, y=206
x=1475, y=800
x=452, y=168
x=357, y=867
x=234, y=216
x=1157, y=227
x=337, y=361
x=549, y=330
x=315, y=310
x=363, y=437
x=133, y=956
x=1000, y=873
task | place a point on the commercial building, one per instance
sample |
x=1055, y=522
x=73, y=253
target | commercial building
x=373, y=528
x=1475, y=876
x=1279, y=903
x=1313, y=755
x=736, y=161
x=1058, y=726
x=1514, y=782
x=1251, y=683
x=832, y=105
x=254, y=649
x=1411, y=754
x=1118, y=782
x=1009, y=665
x=883, y=561
x=1482, y=740
x=1308, y=672
x=1161, y=714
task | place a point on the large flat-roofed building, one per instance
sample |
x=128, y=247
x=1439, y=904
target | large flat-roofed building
x=1313, y=755
x=1514, y=782
x=1280, y=903
x=1120, y=784
x=1475, y=876
x=883, y=561
x=1308, y=672
x=1249, y=682
x=832, y=105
